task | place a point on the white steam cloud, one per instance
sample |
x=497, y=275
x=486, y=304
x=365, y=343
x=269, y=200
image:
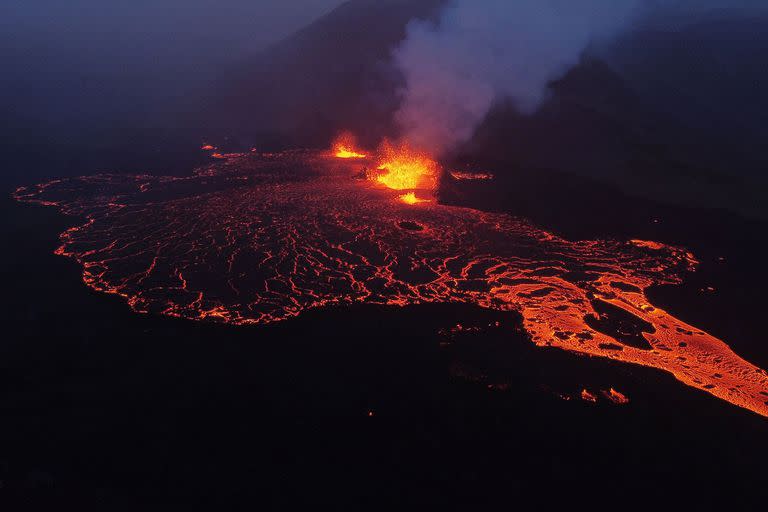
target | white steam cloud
x=481, y=51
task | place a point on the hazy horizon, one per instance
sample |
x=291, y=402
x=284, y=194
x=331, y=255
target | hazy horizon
x=243, y=24
x=72, y=68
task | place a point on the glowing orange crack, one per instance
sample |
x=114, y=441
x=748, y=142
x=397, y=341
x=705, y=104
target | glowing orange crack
x=292, y=246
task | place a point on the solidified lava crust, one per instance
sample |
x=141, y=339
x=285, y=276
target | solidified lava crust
x=261, y=238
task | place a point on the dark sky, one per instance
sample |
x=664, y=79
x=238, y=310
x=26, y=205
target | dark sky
x=74, y=67
x=224, y=23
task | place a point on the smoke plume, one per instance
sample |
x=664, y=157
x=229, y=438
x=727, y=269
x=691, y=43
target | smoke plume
x=482, y=51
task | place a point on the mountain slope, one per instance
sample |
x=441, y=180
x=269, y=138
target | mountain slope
x=331, y=75
x=674, y=115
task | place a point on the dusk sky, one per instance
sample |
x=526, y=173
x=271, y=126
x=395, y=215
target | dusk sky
x=233, y=23
x=86, y=61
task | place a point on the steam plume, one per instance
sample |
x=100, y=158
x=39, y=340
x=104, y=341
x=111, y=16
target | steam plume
x=481, y=51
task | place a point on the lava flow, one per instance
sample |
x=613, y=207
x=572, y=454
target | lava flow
x=261, y=238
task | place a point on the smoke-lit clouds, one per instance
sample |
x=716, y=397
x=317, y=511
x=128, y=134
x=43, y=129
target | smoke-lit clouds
x=483, y=51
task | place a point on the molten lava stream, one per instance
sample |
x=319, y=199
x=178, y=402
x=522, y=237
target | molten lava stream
x=261, y=238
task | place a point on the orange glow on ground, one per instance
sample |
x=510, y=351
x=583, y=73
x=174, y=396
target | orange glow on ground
x=406, y=169
x=649, y=244
x=410, y=198
x=343, y=152
x=616, y=397
x=349, y=243
x=345, y=146
x=471, y=176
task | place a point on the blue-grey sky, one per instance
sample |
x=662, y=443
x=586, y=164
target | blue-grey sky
x=224, y=23
x=79, y=65
x=75, y=67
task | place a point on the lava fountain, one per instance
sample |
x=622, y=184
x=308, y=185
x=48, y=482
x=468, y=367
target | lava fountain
x=404, y=168
x=345, y=146
x=411, y=198
x=260, y=238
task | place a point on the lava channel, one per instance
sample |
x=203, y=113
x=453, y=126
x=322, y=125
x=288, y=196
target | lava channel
x=261, y=238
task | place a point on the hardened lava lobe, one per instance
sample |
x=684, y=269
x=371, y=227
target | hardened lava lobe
x=262, y=237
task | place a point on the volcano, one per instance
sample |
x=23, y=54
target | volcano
x=268, y=294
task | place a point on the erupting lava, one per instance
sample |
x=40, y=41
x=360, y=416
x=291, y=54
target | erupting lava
x=406, y=169
x=399, y=166
x=410, y=198
x=345, y=146
x=261, y=238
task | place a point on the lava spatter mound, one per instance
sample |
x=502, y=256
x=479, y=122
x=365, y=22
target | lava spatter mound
x=262, y=237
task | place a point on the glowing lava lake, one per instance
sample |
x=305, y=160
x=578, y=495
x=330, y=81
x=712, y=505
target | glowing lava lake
x=261, y=238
